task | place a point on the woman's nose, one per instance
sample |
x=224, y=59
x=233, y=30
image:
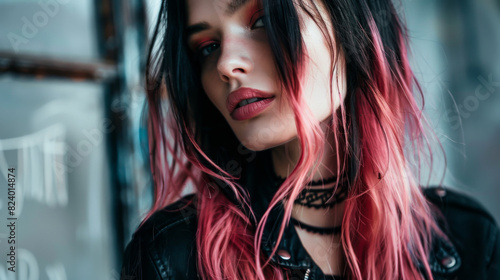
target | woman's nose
x=235, y=60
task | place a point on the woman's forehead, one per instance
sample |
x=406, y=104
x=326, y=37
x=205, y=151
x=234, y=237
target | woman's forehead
x=198, y=9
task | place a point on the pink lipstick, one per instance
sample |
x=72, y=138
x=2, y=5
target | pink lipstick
x=246, y=103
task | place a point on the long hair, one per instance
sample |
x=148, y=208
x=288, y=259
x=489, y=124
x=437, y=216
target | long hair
x=386, y=216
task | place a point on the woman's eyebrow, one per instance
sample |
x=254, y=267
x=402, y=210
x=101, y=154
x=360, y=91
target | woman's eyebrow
x=232, y=7
x=196, y=28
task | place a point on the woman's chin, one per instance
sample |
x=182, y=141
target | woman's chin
x=261, y=142
x=265, y=132
x=255, y=146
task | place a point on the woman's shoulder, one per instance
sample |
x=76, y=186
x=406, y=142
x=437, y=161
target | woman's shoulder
x=449, y=199
x=472, y=230
x=164, y=247
x=179, y=215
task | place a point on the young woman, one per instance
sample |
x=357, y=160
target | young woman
x=295, y=124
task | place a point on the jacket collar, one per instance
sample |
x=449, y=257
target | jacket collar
x=444, y=259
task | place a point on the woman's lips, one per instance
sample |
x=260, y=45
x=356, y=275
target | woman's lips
x=251, y=110
x=245, y=103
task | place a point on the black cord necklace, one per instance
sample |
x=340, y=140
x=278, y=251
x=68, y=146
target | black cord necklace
x=320, y=230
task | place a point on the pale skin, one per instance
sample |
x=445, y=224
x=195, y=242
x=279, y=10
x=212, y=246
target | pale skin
x=237, y=54
x=325, y=250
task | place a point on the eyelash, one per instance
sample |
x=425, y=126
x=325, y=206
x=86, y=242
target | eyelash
x=199, y=52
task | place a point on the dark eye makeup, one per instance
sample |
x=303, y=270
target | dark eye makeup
x=206, y=50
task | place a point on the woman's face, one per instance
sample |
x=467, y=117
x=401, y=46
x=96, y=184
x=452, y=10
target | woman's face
x=239, y=75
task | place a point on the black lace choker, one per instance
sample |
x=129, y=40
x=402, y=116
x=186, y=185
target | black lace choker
x=321, y=198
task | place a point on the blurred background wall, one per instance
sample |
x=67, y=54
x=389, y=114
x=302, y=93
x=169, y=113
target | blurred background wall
x=71, y=94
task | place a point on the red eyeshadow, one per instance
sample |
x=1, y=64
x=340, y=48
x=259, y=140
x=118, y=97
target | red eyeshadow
x=198, y=43
x=255, y=6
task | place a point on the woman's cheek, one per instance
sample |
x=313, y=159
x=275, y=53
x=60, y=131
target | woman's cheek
x=211, y=88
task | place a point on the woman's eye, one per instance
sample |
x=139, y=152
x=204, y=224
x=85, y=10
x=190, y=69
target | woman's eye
x=259, y=22
x=207, y=50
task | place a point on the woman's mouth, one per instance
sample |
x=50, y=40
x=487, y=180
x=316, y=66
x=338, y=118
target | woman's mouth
x=245, y=103
x=249, y=101
x=250, y=108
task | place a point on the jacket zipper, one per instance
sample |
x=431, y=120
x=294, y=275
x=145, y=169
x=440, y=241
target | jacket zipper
x=306, y=276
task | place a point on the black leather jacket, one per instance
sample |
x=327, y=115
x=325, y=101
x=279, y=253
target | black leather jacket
x=165, y=247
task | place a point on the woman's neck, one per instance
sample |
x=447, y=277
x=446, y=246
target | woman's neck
x=286, y=156
x=323, y=217
x=324, y=249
